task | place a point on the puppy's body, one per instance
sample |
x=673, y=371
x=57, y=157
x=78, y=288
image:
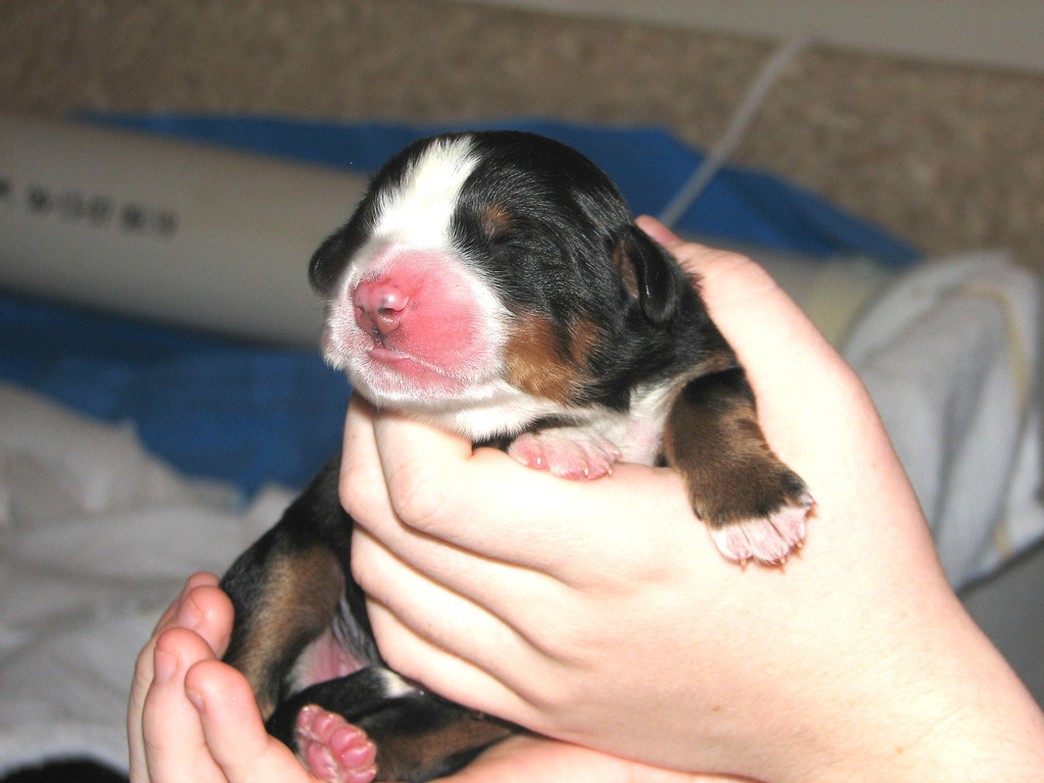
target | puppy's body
x=493, y=284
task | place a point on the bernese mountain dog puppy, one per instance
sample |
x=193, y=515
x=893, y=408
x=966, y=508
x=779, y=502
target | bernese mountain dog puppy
x=494, y=284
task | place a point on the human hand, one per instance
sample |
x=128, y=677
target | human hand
x=599, y=612
x=193, y=718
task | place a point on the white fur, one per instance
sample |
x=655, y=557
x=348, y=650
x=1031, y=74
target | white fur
x=394, y=687
x=638, y=431
x=488, y=409
x=418, y=213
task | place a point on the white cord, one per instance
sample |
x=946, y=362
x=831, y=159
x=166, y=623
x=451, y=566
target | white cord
x=716, y=158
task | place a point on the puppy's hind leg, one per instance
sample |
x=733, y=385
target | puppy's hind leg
x=373, y=724
x=755, y=506
x=287, y=589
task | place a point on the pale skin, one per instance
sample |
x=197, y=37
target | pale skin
x=599, y=613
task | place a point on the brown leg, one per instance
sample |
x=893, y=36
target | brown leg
x=287, y=605
x=754, y=505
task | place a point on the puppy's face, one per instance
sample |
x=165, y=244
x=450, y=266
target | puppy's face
x=409, y=318
x=487, y=280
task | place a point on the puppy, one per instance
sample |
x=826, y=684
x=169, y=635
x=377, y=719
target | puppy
x=495, y=285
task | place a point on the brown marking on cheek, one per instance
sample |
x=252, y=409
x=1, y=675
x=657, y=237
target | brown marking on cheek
x=299, y=598
x=544, y=362
x=583, y=340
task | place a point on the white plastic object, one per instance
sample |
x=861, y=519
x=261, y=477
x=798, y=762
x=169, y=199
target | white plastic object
x=187, y=234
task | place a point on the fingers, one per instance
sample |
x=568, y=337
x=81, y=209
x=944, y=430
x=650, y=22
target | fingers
x=806, y=392
x=192, y=717
x=173, y=742
x=200, y=609
x=233, y=731
x=440, y=491
x=658, y=231
x=365, y=494
x=375, y=467
x=488, y=637
x=763, y=324
x=815, y=411
x=743, y=299
x=497, y=687
x=362, y=489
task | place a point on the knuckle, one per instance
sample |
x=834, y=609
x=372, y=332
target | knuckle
x=366, y=557
x=359, y=496
x=421, y=498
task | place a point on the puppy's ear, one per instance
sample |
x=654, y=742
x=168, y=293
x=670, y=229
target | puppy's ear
x=648, y=272
x=335, y=254
x=328, y=262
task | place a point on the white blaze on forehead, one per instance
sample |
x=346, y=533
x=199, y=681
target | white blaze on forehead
x=419, y=210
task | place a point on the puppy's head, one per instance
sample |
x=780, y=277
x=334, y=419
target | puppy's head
x=489, y=279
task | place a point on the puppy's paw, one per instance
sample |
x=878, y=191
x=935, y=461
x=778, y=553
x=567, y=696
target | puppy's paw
x=567, y=452
x=334, y=749
x=769, y=539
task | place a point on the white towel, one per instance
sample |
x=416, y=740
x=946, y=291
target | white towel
x=949, y=354
x=96, y=537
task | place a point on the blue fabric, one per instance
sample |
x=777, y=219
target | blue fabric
x=649, y=165
x=213, y=408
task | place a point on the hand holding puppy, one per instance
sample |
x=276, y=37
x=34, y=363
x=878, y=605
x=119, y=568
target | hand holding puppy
x=597, y=613
x=600, y=613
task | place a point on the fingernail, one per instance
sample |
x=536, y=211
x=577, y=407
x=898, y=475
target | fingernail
x=196, y=698
x=189, y=616
x=164, y=666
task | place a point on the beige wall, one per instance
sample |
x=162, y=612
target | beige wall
x=1004, y=34
x=948, y=156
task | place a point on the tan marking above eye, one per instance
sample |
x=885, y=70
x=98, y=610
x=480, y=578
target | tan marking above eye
x=495, y=219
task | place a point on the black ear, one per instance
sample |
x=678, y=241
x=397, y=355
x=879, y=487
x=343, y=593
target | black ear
x=337, y=250
x=333, y=256
x=649, y=273
x=327, y=262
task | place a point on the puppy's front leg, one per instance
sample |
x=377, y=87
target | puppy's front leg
x=754, y=505
x=570, y=452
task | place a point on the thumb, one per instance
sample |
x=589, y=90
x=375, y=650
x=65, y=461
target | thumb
x=234, y=730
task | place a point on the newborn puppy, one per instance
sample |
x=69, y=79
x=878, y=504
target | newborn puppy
x=495, y=285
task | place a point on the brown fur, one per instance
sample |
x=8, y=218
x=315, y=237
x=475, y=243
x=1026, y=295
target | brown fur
x=714, y=440
x=398, y=755
x=541, y=363
x=495, y=219
x=301, y=593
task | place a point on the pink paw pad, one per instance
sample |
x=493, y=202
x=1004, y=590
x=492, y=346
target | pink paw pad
x=569, y=454
x=334, y=749
x=768, y=540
